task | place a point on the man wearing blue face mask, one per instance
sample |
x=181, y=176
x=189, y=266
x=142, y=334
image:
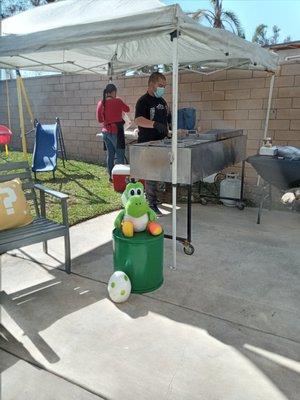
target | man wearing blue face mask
x=152, y=117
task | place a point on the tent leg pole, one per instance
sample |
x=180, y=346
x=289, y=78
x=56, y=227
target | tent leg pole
x=21, y=117
x=174, y=38
x=28, y=106
x=268, y=113
x=8, y=108
x=7, y=100
x=269, y=105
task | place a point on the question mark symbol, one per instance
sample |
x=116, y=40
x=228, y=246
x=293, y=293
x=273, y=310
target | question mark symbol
x=9, y=200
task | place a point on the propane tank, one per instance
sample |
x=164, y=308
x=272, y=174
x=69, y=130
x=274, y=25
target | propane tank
x=230, y=187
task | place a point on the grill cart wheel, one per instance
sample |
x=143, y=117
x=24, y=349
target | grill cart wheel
x=240, y=206
x=188, y=249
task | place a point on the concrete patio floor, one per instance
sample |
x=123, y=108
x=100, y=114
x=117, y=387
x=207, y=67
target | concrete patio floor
x=224, y=326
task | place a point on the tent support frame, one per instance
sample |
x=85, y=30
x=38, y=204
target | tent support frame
x=8, y=108
x=269, y=105
x=21, y=91
x=21, y=115
x=174, y=39
x=268, y=114
x=28, y=106
x=214, y=71
x=40, y=63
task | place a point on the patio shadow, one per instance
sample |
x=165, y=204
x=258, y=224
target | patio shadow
x=37, y=307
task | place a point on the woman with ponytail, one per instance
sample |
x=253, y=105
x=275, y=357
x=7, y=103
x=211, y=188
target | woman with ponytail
x=110, y=114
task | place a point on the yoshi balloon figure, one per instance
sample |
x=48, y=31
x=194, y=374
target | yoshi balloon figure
x=137, y=216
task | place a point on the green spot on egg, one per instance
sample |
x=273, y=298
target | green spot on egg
x=126, y=277
x=113, y=284
x=123, y=292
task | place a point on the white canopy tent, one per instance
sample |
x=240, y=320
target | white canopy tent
x=101, y=36
x=79, y=36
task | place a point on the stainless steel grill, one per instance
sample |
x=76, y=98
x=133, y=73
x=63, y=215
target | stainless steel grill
x=198, y=155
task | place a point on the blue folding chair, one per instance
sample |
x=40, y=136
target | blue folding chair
x=48, y=143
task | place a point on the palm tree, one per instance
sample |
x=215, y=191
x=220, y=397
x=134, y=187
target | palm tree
x=37, y=3
x=260, y=35
x=11, y=7
x=218, y=18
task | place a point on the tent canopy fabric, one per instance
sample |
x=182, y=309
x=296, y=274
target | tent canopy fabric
x=84, y=36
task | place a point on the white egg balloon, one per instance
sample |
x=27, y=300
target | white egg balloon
x=119, y=287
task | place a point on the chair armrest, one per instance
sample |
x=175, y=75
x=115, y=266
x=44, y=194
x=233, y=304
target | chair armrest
x=54, y=193
x=61, y=196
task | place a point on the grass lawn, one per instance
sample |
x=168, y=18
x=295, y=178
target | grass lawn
x=90, y=193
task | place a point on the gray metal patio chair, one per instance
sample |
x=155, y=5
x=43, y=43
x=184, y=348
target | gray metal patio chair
x=41, y=229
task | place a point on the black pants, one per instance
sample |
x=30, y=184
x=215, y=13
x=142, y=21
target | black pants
x=151, y=192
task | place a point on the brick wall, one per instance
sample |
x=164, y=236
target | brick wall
x=233, y=99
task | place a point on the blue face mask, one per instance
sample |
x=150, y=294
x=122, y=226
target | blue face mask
x=159, y=92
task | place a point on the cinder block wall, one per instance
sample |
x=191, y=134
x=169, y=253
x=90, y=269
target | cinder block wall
x=228, y=99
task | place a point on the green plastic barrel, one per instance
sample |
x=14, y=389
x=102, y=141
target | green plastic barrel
x=141, y=258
